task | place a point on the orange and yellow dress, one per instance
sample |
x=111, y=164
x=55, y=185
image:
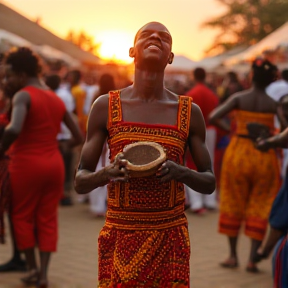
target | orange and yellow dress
x=250, y=180
x=145, y=240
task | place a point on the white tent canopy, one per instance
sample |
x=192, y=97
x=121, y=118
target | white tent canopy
x=277, y=38
x=214, y=63
x=181, y=63
x=8, y=40
x=51, y=53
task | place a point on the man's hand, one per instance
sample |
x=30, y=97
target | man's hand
x=168, y=171
x=262, y=144
x=117, y=170
x=259, y=256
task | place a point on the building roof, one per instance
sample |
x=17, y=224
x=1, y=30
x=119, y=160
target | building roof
x=15, y=23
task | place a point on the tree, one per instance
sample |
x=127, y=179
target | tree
x=84, y=41
x=246, y=22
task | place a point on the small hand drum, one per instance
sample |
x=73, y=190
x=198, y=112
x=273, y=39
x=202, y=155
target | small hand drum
x=144, y=158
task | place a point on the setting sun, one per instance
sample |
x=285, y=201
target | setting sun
x=115, y=46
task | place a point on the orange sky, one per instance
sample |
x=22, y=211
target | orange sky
x=105, y=19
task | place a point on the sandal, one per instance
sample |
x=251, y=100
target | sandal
x=229, y=264
x=42, y=284
x=252, y=268
x=31, y=279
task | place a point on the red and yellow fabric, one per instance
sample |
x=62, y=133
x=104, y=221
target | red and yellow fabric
x=145, y=240
x=79, y=95
x=250, y=180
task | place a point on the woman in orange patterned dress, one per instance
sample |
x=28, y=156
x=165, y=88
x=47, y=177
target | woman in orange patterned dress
x=145, y=241
x=250, y=179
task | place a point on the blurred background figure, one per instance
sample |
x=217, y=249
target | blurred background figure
x=98, y=197
x=278, y=233
x=91, y=88
x=4, y=175
x=279, y=88
x=250, y=179
x=35, y=121
x=16, y=263
x=231, y=85
x=79, y=95
x=276, y=91
x=207, y=101
x=106, y=84
x=64, y=137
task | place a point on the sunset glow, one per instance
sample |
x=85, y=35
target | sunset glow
x=115, y=46
x=116, y=27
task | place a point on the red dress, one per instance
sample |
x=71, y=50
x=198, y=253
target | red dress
x=37, y=172
x=145, y=240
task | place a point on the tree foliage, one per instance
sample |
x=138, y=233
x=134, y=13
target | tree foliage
x=83, y=40
x=246, y=22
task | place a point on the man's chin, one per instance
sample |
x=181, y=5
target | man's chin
x=153, y=64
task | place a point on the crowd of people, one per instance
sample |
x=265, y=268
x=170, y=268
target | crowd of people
x=234, y=135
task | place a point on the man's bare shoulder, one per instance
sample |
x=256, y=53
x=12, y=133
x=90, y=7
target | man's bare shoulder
x=101, y=102
x=196, y=111
x=99, y=110
x=171, y=95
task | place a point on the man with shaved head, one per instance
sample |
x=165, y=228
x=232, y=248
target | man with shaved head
x=145, y=240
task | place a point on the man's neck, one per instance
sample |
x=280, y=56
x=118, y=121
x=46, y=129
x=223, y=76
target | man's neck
x=148, y=85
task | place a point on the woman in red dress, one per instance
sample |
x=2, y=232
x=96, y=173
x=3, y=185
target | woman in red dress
x=35, y=160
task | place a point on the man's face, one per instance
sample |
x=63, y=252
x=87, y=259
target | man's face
x=12, y=82
x=152, y=47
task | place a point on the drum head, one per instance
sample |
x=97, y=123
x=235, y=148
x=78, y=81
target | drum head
x=144, y=158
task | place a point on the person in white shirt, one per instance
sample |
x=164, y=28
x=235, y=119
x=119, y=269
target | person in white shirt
x=279, y=88
x=276, y=90
x=63, y=92
x=92, y=89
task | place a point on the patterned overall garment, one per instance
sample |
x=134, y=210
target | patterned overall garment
x=250, y=181
x=145, y=241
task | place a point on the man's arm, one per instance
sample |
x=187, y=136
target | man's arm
x=280, y=140
x=86, y=178
x=20, y=107
x=203, y=180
